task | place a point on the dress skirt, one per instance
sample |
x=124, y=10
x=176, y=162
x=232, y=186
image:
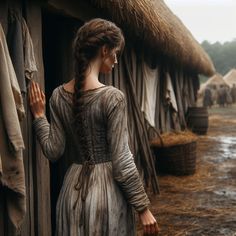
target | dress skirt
x=106, y=211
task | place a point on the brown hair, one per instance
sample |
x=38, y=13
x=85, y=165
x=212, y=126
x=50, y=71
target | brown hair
x=89, y=39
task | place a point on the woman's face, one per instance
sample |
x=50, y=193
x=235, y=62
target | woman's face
x=109, y=61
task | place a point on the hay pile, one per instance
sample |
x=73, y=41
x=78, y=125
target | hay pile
x=173, y=139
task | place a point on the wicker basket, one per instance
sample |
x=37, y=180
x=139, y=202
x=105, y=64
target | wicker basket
x=176, y=160
x=175, y=153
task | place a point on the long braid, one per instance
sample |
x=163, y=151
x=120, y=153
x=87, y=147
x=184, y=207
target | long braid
x=79, y=84
x=89, y=39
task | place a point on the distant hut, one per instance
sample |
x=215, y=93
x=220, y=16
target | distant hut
x=230, y=77
x=213, y=83
x=158, y=72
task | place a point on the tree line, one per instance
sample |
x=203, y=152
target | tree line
x=223, y=55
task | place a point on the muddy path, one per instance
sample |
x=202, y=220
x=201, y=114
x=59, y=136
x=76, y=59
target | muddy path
x=203, y=204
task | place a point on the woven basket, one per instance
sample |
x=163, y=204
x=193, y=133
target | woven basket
x=175, y=153
x=176, y=160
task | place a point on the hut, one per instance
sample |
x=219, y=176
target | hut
x=213, y=83
x=230, y=77
x=158, y=72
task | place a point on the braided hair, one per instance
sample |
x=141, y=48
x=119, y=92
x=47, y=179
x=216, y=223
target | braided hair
x=89, y=39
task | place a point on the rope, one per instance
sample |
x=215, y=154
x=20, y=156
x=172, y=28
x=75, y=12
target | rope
x=82, y=185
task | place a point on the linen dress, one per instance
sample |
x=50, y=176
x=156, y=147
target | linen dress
x=97, y=196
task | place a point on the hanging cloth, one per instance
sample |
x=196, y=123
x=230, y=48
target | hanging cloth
x=29, y=58
x=150, y=82
x=21, y=49
x=15, y=46
x=170, y=94
x=11, y=142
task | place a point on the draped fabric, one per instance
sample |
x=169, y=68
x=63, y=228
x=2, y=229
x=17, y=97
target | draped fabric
x=191, y=93
x=177, y=82
x=21, y=49
x=149, y=84
x=15, y=43
x=11, y=141
x=164, y=118
x=128, y=76
x=172, y=104
x=170, y=94
x=169, y=111
x=185, y=87
x=176, y=92
x=147, y=161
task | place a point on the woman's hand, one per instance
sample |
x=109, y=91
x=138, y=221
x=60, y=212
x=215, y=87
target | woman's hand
x=150, y=226
x=36, y=100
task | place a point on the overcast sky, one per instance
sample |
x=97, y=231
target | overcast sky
x=212, y=20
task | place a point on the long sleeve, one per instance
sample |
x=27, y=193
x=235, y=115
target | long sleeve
x=124, y=168
x=51, y=136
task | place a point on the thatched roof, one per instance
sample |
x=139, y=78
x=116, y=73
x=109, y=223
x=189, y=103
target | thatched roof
x=216, y=80
x=152, y=22
x=230, y=77
x=160, y=28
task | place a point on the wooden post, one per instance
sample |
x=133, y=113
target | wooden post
x=41, y=173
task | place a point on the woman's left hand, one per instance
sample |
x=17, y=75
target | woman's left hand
x=36, y=100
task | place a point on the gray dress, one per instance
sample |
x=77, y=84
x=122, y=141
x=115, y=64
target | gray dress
x=97, y=196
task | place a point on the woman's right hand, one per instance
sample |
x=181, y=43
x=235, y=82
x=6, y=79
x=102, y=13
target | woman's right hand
x=36, y=100
x=150, y=226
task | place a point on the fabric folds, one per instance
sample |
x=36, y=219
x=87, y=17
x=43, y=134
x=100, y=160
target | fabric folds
x=11, y=142
x=114, y=186
x=21, y=49
x=149, y=93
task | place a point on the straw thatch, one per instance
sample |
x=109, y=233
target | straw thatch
x=215, y=81
x=230, y=77
x=153, y=22
x=150, y=22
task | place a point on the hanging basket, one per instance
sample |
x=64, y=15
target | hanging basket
x=175, y=153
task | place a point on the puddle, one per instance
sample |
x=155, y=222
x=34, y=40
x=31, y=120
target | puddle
x=212, y=200
x=226, y=148
x=224, y=139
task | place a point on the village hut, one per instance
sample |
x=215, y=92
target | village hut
x=213, y=83
x=230, y=78
x=158, y=72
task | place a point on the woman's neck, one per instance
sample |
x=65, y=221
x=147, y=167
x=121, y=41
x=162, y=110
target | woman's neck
x=91, y=80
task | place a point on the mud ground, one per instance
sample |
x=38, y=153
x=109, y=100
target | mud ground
x=203, y=204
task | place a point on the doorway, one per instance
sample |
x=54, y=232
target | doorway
x=58, y=32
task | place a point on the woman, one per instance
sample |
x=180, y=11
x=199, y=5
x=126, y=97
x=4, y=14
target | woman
x=89, y=119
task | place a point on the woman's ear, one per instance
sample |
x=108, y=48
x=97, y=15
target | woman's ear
x=104, y=51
